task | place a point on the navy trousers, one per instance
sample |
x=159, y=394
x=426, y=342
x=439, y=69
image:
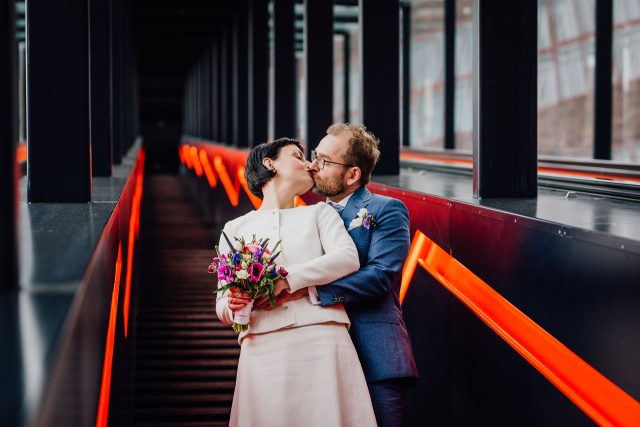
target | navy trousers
x=389, y=398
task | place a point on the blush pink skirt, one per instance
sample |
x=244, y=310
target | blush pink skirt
x=305, y=376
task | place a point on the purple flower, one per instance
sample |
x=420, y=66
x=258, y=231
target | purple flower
x=225, y=273
x=255, y=271
x=367, y=222
x=257, y=253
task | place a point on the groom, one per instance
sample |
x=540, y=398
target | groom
x=341, y=167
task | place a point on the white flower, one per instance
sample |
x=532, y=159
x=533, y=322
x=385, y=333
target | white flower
x=237, y=245
x=363, y=212
x=356, y=222
x=266, y=257
x=242, y=274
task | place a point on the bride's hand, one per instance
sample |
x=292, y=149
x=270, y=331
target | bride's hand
x=237, y=300
x=280, y=285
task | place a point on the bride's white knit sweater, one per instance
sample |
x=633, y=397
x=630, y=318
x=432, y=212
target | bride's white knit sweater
x=316, y=250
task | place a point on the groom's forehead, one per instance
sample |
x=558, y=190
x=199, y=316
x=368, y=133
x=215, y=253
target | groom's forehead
x=332, y=146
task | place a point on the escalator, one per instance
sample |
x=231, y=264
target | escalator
x=185, y=359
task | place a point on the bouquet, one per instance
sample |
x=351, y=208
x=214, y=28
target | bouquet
x=249, y=267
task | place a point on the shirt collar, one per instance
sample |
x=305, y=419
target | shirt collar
x=342, y=202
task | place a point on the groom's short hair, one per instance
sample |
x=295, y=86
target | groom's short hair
x=257, y=174
x=362, y=150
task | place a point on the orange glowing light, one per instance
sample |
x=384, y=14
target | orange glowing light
x=134, y=221
x=603, y=401
x=255, y=201
x=181, y=154
x=187, y=155
x=297, y=201
x=211, y=176
x=196, y=161
x=416, y=252
x=21, y=153
x=105, y=387
x=232, y=189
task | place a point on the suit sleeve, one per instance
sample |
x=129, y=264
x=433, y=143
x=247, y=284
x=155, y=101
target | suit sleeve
x=340, y=254
x=387, y=254
x=222, y=307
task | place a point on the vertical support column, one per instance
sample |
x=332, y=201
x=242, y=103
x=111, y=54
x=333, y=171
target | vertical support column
x=58, y=78
x=602, y=119
x=100, y=48
x=284, y=69
x=240, y=71
x=8, y=137
x=449, y=73
x=215, y=93
x=346, y=61
x=505, y=98
x=406, y=74
x=258, y=72
x=379, y=22
x=116, y=81
x=318, y=63
x=224, y=86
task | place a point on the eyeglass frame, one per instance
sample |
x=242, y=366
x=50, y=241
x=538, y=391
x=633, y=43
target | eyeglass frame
x=315, y=158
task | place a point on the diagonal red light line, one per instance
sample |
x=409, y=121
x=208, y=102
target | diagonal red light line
x=209, y=173
x=186, y=151
x=133, y=231
x=195, y=160
x=105, y=386
x=232, y=189
x=592, y=392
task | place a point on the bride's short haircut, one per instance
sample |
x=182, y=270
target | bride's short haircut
x=256, y=174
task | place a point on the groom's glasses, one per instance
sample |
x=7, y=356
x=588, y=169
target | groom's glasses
x=321, y=161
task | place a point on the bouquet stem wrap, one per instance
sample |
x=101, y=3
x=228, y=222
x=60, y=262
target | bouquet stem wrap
x=241, y=317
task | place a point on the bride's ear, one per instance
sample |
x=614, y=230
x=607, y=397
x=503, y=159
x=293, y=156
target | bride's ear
x=268, y=163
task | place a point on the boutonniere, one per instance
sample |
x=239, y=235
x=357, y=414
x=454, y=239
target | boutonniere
x=362, y=219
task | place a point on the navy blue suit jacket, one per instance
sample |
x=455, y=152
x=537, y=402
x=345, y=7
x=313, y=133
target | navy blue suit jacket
x=371, y=295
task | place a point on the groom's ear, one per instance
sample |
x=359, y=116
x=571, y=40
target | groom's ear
x=353, y=176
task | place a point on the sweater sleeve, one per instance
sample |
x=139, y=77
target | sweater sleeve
x=340, y=256
x=222, y=307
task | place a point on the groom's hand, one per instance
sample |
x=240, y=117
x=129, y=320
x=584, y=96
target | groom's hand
x=281, y=299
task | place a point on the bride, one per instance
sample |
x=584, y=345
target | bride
x=298, y=366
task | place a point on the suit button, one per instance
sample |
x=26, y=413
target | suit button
x=285, y=307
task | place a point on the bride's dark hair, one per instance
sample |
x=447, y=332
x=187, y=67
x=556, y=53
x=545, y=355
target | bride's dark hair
x=256, y=174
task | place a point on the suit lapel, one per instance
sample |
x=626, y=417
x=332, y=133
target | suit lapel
x=359, y=200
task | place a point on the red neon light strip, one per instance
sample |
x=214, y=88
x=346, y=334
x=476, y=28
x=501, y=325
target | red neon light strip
x=105, y=387
x=417, y=248
x=232, y=189
x=134, y=221
x=196, y=161
x=603, y=401
x=255, y=201
x=208, y=172
x=181, y=154
x=187, y=155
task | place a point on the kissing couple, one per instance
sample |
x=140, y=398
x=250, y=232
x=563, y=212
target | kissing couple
x=335, y=350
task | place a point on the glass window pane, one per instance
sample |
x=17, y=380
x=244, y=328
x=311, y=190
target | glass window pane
x=565, y=77
x=427, y=74
x=626, y=81
x=463, y=118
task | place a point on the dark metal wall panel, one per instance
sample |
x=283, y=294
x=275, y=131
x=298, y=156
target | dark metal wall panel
x=8, y=139
x=100, y=57
x=505, y=98
x=241, y=71
x=449, y=73
x=318, y=33
x=284, y=70
x=117, y=84
x=379, y=22
x=603, y=97
x=59, y=164
x=588, y=306
x=258, y=72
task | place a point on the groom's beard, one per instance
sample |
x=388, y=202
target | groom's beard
x=327, y=187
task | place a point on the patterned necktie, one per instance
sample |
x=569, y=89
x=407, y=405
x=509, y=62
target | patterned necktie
x=337, y=206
